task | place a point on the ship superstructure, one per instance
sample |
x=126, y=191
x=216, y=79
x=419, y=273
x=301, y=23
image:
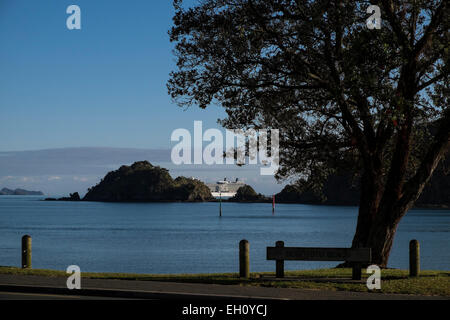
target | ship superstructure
x=224, y=188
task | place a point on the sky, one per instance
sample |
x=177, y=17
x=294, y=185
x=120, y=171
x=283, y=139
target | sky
x=103, y=86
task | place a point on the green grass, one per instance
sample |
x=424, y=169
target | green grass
x=392, y=280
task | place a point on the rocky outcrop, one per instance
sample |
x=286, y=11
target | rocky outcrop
x=143, y=182
x=72, y=197
x=247, y=194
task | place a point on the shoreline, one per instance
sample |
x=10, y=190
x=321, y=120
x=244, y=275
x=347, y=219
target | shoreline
x=268, y=200
x=427, y=206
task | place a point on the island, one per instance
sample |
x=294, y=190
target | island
x=19, y=192
x=144, y=182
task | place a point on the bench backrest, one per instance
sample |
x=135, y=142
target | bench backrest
x=319, y=254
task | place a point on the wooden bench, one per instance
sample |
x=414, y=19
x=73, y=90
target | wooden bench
x=357, y=256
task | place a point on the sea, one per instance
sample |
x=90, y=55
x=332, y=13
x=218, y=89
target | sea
x=169, y=238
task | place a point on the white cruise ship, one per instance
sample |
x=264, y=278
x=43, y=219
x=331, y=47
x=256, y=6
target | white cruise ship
x=225, y=188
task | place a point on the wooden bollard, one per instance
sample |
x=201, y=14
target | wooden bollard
x=356, y=266
x=414, y=258
x=244, y=259
x=279, y=267
x=356, y=271
x=26, y=252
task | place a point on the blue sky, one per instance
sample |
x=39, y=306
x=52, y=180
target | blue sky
x=103, y=85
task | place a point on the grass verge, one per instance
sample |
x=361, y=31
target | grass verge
x=429, y=283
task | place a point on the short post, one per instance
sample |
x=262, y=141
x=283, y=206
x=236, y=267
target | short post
x=414, y=258
x=26, y=252
x=356, y=266
x=356, y=271
x=279, y=263
x=244, y=259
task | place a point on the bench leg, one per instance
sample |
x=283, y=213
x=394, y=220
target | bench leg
x=280, y=268
x=280, y=263
x=356, y=271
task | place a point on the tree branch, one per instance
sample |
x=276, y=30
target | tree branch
x=436, y=152
x=425, y=41
x=425, y=84
x=388, y=6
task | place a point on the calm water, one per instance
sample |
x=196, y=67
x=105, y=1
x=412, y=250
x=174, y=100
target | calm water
x=191, y=238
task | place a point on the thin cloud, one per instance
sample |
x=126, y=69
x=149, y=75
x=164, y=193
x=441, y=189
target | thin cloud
x=81, y=179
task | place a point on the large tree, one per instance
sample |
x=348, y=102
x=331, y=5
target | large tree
x=340, y=93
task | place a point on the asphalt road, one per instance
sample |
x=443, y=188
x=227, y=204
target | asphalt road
x=40, y=287
x=41, y=296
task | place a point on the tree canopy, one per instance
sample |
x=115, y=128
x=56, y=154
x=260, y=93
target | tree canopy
x=341, y=94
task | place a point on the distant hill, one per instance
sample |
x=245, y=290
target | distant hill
x=143, y=182
x=340, y=190
x=19, y=192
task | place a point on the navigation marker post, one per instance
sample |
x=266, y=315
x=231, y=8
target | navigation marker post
x=220, y=203
x=273, y=204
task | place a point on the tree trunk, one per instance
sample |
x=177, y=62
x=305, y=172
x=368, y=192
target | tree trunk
x=381, y=237
x=380, y=212
x=371, y=191
x=376, y=225
x=378, y=235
